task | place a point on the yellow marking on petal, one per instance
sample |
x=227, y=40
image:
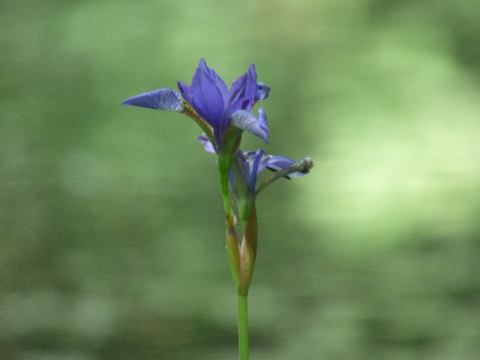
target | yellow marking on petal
x=191, y=113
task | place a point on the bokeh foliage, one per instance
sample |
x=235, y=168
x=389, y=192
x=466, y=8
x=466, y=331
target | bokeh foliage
x=111, y=225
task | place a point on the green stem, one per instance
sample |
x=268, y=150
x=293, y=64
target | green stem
x=243, y=326
x=302, y=166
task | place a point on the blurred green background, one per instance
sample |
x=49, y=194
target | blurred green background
x=111, y=227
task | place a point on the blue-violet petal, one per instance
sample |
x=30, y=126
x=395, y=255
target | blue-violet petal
x=262, y=91
x=277, y=163
x=247, y=122
x=162, y=99
x=208, y=94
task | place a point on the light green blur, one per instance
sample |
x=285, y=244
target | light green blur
x=112, y=239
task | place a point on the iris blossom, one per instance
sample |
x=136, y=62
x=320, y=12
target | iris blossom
x=212, y=105
x=252, y=163
x=224, y=114
x=256, y=162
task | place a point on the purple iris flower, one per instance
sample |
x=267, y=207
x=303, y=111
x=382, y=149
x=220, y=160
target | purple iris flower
x=211, y=104
x=254, y=162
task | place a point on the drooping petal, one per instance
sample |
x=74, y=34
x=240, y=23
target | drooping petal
x=162, y=99
x=207, y=144
x=221, y=130
x=209, y=94
x=247, y=122
x=277, y=163
x=240, y=104
x=263, y=123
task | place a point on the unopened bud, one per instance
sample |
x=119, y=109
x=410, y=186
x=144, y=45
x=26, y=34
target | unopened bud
x=306, y=163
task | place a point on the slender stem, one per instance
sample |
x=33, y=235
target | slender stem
x=303, y=166
x=243, y=326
